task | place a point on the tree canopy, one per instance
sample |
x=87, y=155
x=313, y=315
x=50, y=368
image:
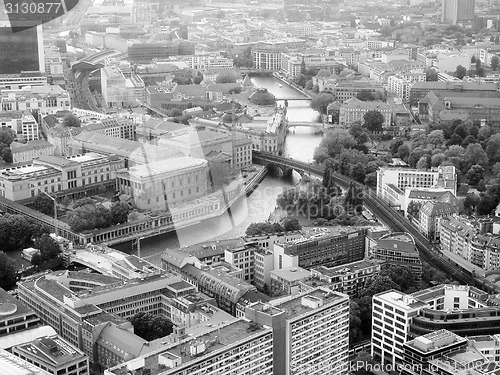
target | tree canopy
x=321, y=101
x=374, y=121
x=70, y=120
x=151, y=327
x=8, y=273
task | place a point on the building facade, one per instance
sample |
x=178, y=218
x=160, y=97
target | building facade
x=454, y=11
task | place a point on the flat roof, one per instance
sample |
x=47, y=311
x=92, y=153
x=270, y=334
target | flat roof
x=294, y=308
x=219, y=338
x=13, y=365
x=52, y=349
x=402, y=301
x=11, y=307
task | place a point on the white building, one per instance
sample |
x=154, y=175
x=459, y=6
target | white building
x=208, y=62
x=391, y=318
x=45, y=99
x=392, y=181
x=401, y=84
x=121, y=89
x=354, y=110
x=18, y=81
x=11, y=364
x=157, y=185
x=238, y=347
x=26, y=152
x=311, y=332
x=21, y=122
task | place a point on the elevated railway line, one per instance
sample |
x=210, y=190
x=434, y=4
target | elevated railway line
x=393, y=219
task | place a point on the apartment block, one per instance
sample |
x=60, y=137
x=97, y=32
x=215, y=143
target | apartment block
x=54, y=355
x=430, y=214
x=240, y=347
x=342, y=245
x=348, y=278
x=121, y=88
x=310, y=332
x=286, y=281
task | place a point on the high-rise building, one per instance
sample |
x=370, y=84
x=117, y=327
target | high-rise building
x=457, y=10
x=310, y=332
x=25, y=48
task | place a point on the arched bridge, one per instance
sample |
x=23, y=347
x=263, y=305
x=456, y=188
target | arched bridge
x=385, y=213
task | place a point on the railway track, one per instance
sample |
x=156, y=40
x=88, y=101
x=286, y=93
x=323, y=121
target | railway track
x=394, y=220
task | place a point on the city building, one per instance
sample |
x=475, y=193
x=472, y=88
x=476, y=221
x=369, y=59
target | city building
x=238, y=346
x=20, y=122
x=391, y=318
x=242, y=256
x=121, y=89
x=78, y=305
x=158, y=185
x=18, y=81
x=444, y=107
x=11, y=364
x=310, y=332
x=24, y=43
x=54, y=355
x=392, y=182
x=454, y=11
x=398, y=249
x=45, y=99
x=286, y=281
x=135, y=153
x=354, y=110
x=419, y=352
x=211, y=145
x=145, y=52
x=347, y=278
x=342, y=245
x=26, y=152
x=14, y=316
x=430, y=214
x=420, y=89
x=57, y=174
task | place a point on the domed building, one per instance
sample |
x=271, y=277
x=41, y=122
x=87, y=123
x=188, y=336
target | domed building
x=262, y=97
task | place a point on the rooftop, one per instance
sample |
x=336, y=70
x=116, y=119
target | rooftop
x=160, y=167
x=13, y=365
x=402, y=301
x=11, y=307
x=52, y=349
x=291, y=273
x=435, y=341
x=294, y=305
x=215, y=339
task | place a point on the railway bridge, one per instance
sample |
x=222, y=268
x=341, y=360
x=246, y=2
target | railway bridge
x=386, y=214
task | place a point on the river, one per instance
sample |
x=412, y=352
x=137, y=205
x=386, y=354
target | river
x=299, y=145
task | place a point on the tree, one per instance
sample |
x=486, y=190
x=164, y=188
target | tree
x=373, y=121
x=423, y=163
x=49, y=248
x=431, y=75
x=332, y=144
x=259, y=229
x=486, y=204
x=43, y=204
x=461, y=72
x=402, y=276
x=226, y=77
x=119, y=212
x=365, y=95
x=437, y=159
x=436, y=137
x=151, y=327
x=7, y=155
x=475, y=174
x=291, y=224
x=494, y=63
x=8, y=274
x=355, y=333
x=473, y=59
x=474, y=154
x=493, y=148
x=7, y=135
x=70, y=120
x=413, y=209
x=394, y=146
x=321, y=101
x=89, y=217
x=404, y=152
x=470, y=203
x=17, y=231
x=378, y=284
